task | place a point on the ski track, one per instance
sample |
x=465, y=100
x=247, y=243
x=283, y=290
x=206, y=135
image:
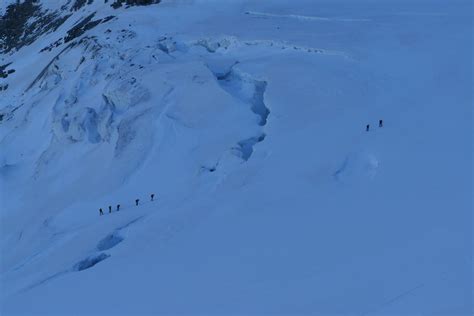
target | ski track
x=304, y=17
x=395, y=299
x=229, y=43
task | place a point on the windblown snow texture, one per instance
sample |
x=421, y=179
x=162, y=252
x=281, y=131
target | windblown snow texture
x=247, y=120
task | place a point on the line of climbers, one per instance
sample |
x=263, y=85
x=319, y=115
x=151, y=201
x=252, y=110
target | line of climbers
x=368, y=125
x=137, y=201
x=152, y=196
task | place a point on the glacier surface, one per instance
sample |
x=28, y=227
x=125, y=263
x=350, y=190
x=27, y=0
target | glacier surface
x=247, y=120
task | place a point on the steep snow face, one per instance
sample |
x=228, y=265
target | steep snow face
x=248, y=121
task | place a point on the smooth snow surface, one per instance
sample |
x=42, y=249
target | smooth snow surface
x=247, y=120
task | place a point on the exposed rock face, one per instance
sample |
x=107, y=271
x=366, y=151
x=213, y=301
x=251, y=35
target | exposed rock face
x=118, y=3
x=80, y=28
x=24, y=22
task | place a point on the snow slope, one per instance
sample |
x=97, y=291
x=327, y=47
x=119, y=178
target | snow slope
x=247, y=120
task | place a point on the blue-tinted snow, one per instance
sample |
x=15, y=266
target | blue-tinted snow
x=319, y=217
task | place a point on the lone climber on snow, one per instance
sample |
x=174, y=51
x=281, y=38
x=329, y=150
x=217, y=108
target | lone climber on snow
x=152, y=196
x=367, y=128
x=110, y=209
x=100, y=212
x=380, y=123
x=136, y=202
x=118, y=207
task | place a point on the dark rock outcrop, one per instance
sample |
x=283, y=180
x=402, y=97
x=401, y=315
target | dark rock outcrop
x=23, y=22
x=118, y=3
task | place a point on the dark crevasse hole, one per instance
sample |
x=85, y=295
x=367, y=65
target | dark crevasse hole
x=209, y=169
x=109, y=241
x=248, y=90
x=90, y=262
x=258, y=104
x=246, y=146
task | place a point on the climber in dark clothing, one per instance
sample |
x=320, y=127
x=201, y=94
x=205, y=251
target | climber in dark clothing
x=110, y=209
x=367, y=128
x=136, y=202
x=152, y=196
x=380, y=123
x=118, y=207
x=100, y=212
